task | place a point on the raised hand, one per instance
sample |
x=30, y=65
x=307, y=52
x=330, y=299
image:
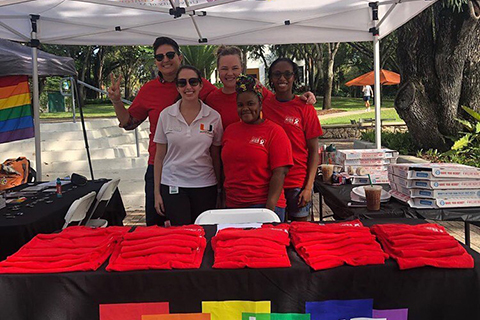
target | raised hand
x=114, y=93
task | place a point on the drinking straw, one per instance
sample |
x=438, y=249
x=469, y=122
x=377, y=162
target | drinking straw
x=370, y=180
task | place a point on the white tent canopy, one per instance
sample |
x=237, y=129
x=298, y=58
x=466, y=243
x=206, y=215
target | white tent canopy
x=139, y=22
x=191, y=22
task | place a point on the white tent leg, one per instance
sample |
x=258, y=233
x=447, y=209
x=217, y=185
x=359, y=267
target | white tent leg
x=376, y=70
x=36, y=106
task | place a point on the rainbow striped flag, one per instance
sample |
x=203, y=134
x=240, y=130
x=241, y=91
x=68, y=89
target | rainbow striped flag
x=16, y=121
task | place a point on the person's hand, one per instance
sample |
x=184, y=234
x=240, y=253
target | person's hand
x=159, y=204
x=114, y=93
x=305, y=197
x=309, y=97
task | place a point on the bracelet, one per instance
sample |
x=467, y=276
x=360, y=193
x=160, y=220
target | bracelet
x=116, y=101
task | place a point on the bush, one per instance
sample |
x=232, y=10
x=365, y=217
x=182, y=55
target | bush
x=400, y=141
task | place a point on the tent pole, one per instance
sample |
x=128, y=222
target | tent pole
x=36, y=103
x=376, y=72
x=85, y=138
x=376, y=69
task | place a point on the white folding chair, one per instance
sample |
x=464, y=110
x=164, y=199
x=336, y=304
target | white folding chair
x=244, y=215
x=105, y=194
x=78, y=209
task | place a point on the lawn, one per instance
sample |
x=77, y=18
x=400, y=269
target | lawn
x=351, y=104
x=89, y=111
x=386, y=114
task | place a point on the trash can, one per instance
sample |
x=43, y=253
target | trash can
x=56, y=102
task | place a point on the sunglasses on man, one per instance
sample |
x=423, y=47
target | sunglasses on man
x=278, y=74
x=170, y=55
x=192, y=81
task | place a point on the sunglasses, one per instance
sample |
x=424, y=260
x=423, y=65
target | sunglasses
x=192, y=81
x=170, y=55
x=278, y=74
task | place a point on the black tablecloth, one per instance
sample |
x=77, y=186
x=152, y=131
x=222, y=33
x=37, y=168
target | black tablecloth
x=337, y=198
x=47, y=218
x=428, y=293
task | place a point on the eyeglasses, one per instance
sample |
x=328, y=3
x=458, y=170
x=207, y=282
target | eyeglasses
x=192, y=81
x=286, y=74
x=170, y=55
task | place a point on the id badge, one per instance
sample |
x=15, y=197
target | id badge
x=173, y=190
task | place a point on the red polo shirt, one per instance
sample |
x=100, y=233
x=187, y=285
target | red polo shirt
x=153, y=97
x=250, y=153
x=300, y=122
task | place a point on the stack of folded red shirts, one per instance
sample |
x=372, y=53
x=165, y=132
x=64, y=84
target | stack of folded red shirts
x=253, y=248
x=160, y=248
x=332, y=245
x=74, y=249
x=422, y=245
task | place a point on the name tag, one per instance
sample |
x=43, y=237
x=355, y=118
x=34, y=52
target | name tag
x=173, y=190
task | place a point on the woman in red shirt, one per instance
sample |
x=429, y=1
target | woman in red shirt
x=300, y=122
x=256, y=154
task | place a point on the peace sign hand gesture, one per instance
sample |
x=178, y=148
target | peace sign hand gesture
x=114, y=90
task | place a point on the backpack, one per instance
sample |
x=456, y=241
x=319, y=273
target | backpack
x=14, y=172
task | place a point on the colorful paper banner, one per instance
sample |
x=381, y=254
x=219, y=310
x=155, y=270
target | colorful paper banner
x=131, y=311
x=275, y=316
x=232, y=310
x=339, y=309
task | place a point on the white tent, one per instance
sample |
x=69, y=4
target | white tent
x=190, y=22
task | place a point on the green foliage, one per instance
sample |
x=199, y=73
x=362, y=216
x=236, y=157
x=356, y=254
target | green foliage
x=201, y=57
x=456, y=5
x=402, y=142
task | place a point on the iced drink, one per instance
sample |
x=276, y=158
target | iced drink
x=327, y=172
x=373, y=195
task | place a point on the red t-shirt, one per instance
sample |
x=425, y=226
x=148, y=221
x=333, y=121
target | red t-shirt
x=226, y=105
x=300, y=122
x=153, y=97
x=250, y=153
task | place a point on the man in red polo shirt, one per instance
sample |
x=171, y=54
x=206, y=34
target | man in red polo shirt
x=153, y=97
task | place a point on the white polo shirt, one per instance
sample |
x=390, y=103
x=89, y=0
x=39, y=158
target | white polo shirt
x=188, y=162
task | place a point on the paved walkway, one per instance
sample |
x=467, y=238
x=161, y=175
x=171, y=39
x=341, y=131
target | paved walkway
x=350, y=113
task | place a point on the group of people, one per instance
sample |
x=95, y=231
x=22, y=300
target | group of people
x=235, y=147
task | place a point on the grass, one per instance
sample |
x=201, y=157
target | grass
x=351, y=104
x=89, y=111
x=386, y=114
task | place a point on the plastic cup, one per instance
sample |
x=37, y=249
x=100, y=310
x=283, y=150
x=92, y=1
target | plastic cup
x=327, y=172
x=373, y=195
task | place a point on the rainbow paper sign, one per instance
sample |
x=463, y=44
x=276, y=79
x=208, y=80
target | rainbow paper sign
x=132, y=311
x=275, y=316
x=232, y=310
x=178, y=316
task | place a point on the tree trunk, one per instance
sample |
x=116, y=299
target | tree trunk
x=328, y=84
x=432, y=53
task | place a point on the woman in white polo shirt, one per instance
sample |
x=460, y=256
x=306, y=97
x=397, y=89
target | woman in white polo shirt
x=187, y=160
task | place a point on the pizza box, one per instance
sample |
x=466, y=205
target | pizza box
x=434, y=171
x=422, y=203
x=366, y=162
x=376, y=179
x=437, y=194
x=435, y=184
x=365, y=154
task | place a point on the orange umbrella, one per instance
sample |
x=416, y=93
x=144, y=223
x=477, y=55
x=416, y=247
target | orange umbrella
x=387, y=78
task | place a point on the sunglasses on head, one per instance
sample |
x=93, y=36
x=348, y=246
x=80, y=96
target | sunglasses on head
x=192, y=81
x=170, y=55
x=278, y=74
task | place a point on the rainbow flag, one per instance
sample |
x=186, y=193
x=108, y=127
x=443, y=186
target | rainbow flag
x=16, y=121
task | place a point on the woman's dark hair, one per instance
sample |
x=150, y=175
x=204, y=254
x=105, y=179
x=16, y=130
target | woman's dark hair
x=189, y=67
x=295, y=72
x=160, y=41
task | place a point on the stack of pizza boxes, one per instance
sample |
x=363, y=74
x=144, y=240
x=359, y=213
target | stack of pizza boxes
x=359, y=163
x=435, y=185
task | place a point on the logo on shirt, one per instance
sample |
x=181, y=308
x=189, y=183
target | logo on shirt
x=203, y=128
x=259, y=141
x=293, y=121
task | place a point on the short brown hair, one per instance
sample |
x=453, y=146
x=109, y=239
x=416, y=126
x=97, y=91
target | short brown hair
x=229, y=51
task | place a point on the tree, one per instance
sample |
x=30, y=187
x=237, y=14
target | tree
x=332, y=49
x=201, y=57
x=439, y=57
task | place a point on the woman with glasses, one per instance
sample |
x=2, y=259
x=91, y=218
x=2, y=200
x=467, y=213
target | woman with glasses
x=300, y=122
x=187, y=162
x=230, y=66
x=152, y=98
x=256, y=154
